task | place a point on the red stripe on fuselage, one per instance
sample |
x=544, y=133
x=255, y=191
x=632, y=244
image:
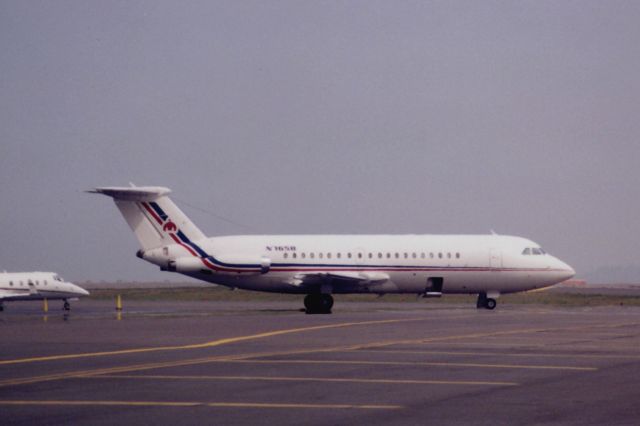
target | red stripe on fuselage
x=400, y=269
x=192, y=252
x=204, y=261
x=210, y=265
x=189, y=249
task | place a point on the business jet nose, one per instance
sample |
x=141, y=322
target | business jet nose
x=81, y=291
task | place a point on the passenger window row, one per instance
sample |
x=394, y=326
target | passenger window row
x=370, y=255
x=22, y=283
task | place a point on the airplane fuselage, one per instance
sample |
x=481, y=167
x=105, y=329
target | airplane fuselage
x=20, y=286
x=320, y=265
x=386, y=263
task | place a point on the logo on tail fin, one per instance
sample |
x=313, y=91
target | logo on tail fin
x=171, y=228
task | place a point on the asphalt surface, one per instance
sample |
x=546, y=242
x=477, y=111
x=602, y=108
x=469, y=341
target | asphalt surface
x=368, y=363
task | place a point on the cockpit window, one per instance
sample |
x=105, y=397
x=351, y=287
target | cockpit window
x=57, y=278
x=533, y=251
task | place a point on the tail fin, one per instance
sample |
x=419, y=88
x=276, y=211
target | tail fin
x=151, y=214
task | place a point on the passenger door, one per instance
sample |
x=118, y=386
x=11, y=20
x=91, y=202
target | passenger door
x=495, y=258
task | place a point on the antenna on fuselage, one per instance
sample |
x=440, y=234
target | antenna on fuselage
x=217, y=216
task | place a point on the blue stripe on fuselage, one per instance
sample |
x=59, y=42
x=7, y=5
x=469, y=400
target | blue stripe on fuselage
x=203, y=254
x=191, y=244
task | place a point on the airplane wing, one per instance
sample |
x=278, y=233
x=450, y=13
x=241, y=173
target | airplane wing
x=9, y=294
x=337, y=278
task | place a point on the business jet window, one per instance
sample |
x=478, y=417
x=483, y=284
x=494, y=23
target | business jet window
x=286, y=255
x=388, y=255
x=457, y=255
x=320, y=255
x=302, y=255
x=449, y=255
x=338, y=255
x=422, y=256
x=11, y=283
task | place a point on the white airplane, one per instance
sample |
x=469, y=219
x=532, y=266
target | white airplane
x=321, y=265
x=37, y=286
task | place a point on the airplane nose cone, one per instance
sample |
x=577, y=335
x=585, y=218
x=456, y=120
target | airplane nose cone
x=81, y=291
x=570, y=273
x=566, y=271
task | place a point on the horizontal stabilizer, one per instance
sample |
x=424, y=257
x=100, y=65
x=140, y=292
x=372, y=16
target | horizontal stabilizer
x=153, y=217
x=139, y=193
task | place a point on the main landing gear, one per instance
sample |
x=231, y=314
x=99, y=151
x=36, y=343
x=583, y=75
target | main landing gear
x=66, y=306
x=485, y=302
x=318, y=303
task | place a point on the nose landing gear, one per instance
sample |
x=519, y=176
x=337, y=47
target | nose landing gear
x=486, y=302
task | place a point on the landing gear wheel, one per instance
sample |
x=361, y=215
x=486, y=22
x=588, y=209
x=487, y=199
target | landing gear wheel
x=308, y=303
x=66, y=306
x=327, y=303
x=490, y=303
x=318, y=303
x=482, y=301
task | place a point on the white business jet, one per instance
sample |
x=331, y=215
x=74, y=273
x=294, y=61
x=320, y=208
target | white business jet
x=37, y=286
x=321, y=265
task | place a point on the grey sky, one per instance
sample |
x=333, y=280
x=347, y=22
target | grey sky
x=320, y=117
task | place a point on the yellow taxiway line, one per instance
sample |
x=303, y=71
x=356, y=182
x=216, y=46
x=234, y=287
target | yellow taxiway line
x=248, y=357
x=409, y=363
x=446, y=339
x=305, y=379
x=500, y=354
x=210, y=344
x=201, y=404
